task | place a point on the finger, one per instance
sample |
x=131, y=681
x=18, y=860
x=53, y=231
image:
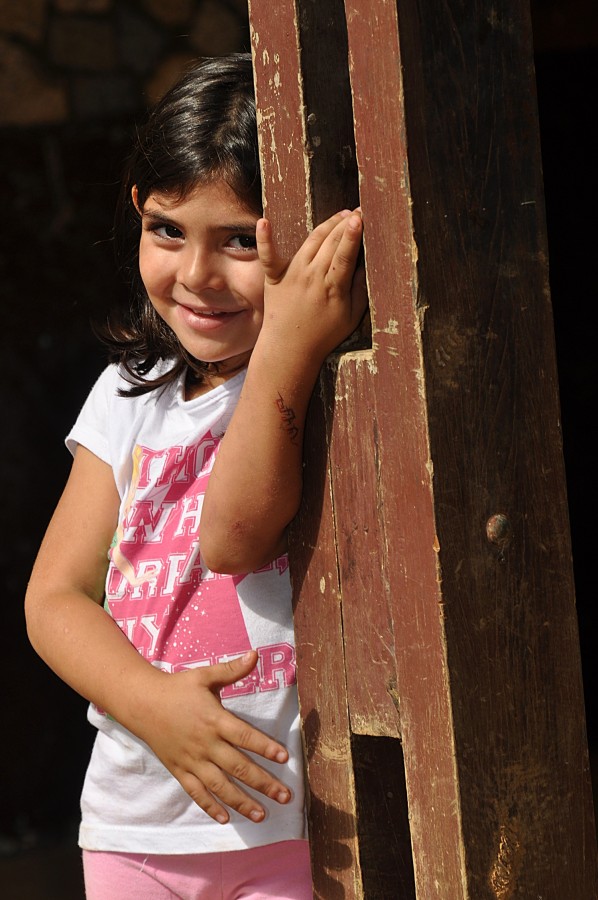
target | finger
x=219, y=793
x=222, y=674
x=204, y=799
x=317, y=238
x=274, y=265
x=347, y=244
x=242, y=769
x=234, y=730
x=214, y=790
x=239, y=734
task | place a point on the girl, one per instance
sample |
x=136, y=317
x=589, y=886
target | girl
x=161, y=590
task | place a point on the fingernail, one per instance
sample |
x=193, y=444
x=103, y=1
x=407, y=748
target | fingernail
x=355, y=222
x=247, y=656
x=256, y=814
x=222, y=818
x=283, y=796
x=281, y=756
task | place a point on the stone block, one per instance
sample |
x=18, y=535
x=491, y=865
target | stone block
x=175, y=12
x=217, y=30
x=83, y=6
x=78, y=43
x=24, y=18
x=140, y=41
x=28, y=95
x=103, y=96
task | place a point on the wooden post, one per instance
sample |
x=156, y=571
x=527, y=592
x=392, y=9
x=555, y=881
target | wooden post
x=438, y=654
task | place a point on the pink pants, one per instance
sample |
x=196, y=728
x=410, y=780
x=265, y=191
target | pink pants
x=277, y=871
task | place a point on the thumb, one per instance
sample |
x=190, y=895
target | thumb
x=274, y=266
x=221, y=674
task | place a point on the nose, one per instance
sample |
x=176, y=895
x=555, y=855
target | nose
x=200, y=269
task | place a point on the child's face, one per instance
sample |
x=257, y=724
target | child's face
x=199, y=264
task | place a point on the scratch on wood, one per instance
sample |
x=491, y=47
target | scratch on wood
x=391, y=690
x=505, y=868
x=268, y=117
x=421, y=316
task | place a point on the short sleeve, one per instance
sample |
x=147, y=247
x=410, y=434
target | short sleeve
x=91, y=427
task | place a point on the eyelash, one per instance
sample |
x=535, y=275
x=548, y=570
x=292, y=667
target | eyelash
x=247, y=242
x=251, y=242
x=157, y=227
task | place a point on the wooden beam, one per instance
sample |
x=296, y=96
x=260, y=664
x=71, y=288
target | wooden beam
x=291, y=161
x=431, y=562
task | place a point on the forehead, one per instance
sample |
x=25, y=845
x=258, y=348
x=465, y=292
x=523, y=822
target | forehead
x=214, y=197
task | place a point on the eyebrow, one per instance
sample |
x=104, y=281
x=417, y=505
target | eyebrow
x=159, y=216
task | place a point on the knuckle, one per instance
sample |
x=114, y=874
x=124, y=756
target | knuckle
x=219, y=784
x=245, y=737
x=241, y=770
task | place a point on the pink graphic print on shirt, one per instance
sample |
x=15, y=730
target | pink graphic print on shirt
x=176, y=612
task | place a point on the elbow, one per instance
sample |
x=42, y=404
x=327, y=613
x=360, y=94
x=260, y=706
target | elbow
x=227, y=562
x=239, y=556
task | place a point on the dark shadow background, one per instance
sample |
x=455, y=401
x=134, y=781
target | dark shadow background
x=58, y=183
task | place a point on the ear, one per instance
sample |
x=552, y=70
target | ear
x=135, y=198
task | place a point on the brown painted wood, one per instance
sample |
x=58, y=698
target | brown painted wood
x=362, y=546
x=405, y=465
x=486, y=645
x=288, y=171
x=431, y=558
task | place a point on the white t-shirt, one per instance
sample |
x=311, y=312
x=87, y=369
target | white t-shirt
x=179, y=615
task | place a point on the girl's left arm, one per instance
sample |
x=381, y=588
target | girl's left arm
x=310, y=305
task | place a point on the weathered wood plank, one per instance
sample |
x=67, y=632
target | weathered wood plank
x=494, y=432
x=290, y=165
x=361, y=546
x=405, y=465
x=281, y=122
x=458, y=447
x=332, y=810
x=485, y=631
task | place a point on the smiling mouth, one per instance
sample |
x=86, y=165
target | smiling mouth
x=206, y=319
x=211, y=313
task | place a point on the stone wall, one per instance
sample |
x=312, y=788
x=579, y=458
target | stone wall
x=80, y=60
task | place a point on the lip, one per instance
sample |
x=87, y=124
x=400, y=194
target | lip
x=206, y=319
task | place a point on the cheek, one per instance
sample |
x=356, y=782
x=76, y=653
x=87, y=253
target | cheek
x=256, y=292
x=154, y=274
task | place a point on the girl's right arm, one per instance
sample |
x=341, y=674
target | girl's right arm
x=179, y=716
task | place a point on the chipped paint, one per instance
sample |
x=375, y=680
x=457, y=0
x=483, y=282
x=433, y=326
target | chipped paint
x=504, y=871
x=391, y=328
x=267, y=117
x=357, y=357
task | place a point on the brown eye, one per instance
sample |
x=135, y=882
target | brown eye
x=169, y=232
x=243, y=242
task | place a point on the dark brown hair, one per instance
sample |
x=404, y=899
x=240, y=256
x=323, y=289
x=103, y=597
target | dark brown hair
x=203, y=129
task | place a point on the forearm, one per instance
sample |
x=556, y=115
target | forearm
x=83, y=645
x=255, y=487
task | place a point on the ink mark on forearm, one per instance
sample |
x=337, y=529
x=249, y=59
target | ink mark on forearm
x=288, y=420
